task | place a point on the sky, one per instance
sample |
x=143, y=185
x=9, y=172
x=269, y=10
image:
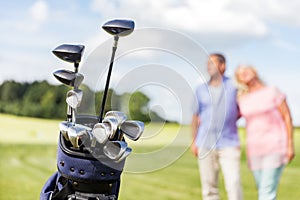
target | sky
x=171, y=37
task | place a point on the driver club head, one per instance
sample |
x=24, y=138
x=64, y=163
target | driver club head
x=68, y=77
x=132, y=129
x=68, y=52
x=119, y=27
x=114, y=149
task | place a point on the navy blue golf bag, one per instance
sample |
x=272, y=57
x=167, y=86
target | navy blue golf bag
x=82, y=174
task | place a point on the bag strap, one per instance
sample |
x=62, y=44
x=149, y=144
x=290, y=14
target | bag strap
x=66, y=190
x=88, y=196
x=69, y=191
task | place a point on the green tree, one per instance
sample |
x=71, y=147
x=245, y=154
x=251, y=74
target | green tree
x=11, y=95
x=138, y=106
x=11, y=91
x=40, y=99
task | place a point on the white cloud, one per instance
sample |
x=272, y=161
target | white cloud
x=271, y=10
x=222, y=23
x=191, y=16
x=214, y=17
x=39, y=11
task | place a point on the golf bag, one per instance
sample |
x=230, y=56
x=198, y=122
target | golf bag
x=82, y=175
x=91, y=150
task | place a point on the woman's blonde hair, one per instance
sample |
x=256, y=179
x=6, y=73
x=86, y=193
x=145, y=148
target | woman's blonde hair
x=243, y=88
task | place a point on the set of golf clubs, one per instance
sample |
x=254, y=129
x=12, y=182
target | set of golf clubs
x=108, y=133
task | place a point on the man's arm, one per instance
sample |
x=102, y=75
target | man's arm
x=195, y=125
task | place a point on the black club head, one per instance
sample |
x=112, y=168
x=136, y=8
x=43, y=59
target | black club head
x=120, y=27
x=65, y=76
x=68, y=52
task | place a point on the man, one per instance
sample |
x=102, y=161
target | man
x=214, y=129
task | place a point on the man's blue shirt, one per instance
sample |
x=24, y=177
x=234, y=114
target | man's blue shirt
x=218, y=112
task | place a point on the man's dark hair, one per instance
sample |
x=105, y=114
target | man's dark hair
x=220, y=57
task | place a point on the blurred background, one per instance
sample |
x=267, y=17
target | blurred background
x=265, y=34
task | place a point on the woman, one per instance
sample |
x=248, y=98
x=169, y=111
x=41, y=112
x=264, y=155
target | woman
x=269, y=130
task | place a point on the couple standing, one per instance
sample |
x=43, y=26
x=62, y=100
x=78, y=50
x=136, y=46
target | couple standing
x=219, y=104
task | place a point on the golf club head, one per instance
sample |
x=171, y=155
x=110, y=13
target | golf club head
x=100, y=133
x=78, y=80
x=112, y=124
x=68, y=52
x=125, y=154
x=78, y=132
x=114, y=149
x=63, y=127
x=68, y=77
x=74, y=98
x=132, y=129
x=120, y=27
x=121, y=117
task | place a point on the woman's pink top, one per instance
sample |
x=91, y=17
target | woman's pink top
x=266, y=130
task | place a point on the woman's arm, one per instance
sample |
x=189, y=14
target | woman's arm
x=285, y=112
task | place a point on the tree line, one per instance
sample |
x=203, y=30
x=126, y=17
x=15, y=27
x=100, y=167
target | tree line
x=43, y=100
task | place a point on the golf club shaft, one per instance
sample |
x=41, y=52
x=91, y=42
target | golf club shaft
x=76, y=65
x=116, y=38
x=73, y=116
x=69, y=113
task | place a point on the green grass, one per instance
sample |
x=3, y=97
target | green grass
x=28, y=160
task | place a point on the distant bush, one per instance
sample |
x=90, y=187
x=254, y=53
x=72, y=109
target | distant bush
x=42, y=100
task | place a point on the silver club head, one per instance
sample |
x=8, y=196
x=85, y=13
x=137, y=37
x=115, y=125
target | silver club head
x=121, y=117
x=78, y=80
x=63, y=127
x=74, y=98
x=114, y=149
x=100, y=133
x=113, y=126
x=125, y=154
x=77, y=132
x=132, y=129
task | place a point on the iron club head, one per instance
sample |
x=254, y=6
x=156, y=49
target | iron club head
x=77, y=132
x=120, y=116
x=74, y=98
x=63, y=127
x=113, y=126
x=125, y=154
x=100, y=133
x=114, y=149
x=132, y=129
